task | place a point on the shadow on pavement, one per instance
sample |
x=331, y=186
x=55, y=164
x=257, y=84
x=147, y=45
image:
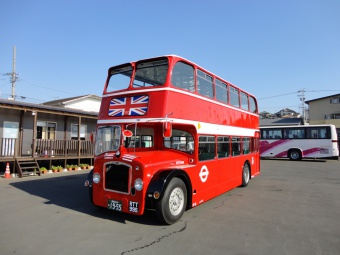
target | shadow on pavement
x=70, y=192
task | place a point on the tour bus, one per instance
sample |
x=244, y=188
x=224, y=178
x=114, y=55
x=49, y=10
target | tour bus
x=170, y=136
x=297, y=142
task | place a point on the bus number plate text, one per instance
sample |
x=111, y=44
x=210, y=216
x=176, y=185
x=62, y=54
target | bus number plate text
x=114, y=205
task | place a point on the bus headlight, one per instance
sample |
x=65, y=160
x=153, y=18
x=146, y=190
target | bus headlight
x=138, y=184
x=96, y=178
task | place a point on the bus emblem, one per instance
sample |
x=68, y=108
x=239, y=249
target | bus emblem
x=204, y=173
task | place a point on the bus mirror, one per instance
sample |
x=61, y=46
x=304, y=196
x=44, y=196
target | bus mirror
x=127, y=133
x=167, y=129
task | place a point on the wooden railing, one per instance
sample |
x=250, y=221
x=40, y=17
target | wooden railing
x=54, y=148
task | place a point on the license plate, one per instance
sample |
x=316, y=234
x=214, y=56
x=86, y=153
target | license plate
x=114, y=205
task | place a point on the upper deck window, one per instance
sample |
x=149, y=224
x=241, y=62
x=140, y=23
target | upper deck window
x=252, y=105
x=234, y=97
x=120, y=78
x=244, y=101
x=151, y=73
x=205, y=84
x=221, y=91
x=183, y=76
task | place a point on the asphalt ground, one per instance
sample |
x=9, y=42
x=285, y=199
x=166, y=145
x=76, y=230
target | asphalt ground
x=291, y=208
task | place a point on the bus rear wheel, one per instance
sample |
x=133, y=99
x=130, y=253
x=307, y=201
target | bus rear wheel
x=294, y=155
x=172, y=206
x=245, y=175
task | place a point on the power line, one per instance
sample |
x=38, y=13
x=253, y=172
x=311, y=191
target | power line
x=39, y=86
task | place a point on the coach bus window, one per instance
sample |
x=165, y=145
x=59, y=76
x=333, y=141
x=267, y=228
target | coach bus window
x=294, y=133
x=183, y=76
x=151, y=73
x=221, y=91
x=274, y=133
x=120, y=78
x=318, y=133
x=234, y=101
x=252, y=105
x=205, y=84
x=206, y=148
x=244, y=101
x=236, y=146
x=180, y=140
x=223, y=146
x=246, y=145
x=143, y=138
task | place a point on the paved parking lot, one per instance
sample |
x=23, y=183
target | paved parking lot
x=291, y=208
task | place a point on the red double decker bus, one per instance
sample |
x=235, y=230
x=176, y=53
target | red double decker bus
x=170, y=136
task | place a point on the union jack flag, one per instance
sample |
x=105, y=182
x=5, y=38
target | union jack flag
x=129, y=106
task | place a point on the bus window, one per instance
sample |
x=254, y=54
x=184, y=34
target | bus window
x=234, y=101
x=183, y=76
x=274, y=133
x=151, y=73
x=245, y=145
x=294, y=133
x=244, y=101
x=119, y=78
x=180, y=140
x=318, y=133
x=221, y=91
x=205, y=84
x=236, y=146
x=206, y=148
x=252, y=105
x=223, y=146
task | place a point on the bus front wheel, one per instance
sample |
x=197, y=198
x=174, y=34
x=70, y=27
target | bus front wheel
x=245, y=175
x=172, y=206
x=294, y=155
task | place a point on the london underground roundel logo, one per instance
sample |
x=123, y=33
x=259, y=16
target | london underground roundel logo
x=204, y=173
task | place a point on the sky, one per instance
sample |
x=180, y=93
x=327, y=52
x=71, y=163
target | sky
x=270, y=48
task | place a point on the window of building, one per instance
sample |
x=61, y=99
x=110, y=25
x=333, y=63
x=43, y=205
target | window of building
x=335, y=100
x=46, y=130
x=183, y=76
x=205, y=84
x=74, y=132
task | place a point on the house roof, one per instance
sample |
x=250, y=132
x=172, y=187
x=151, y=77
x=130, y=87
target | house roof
x=307, y=102
x=18, y=105
x=61, y=102
x=281, y=122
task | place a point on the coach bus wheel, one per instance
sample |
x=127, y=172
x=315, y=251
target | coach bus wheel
x=172, y=206
x=294, y=155
x=245, y=175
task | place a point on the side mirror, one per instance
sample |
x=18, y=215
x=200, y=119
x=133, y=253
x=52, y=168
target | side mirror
x=167, y=129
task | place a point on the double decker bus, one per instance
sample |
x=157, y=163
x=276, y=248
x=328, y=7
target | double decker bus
x=170, y=136
x=297, y=142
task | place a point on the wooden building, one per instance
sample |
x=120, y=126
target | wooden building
x=36, y=135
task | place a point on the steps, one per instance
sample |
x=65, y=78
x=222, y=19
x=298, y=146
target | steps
x=27, y=167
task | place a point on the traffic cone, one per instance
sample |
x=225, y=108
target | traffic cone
x=7, y=173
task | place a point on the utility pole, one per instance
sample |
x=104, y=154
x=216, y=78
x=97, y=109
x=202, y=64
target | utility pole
x=302, y=99
x=13, y=75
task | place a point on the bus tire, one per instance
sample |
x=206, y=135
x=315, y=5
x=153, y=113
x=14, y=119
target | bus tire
x=173, y=203
x=294, y=154
x=245, y=175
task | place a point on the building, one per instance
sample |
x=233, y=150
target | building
x=35, y=135
x=325, y=110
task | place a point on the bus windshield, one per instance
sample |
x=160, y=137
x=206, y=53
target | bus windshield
x=107, y=139
x=151, y=73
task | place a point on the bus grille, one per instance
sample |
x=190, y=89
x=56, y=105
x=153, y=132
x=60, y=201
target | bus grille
x=117, y=177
